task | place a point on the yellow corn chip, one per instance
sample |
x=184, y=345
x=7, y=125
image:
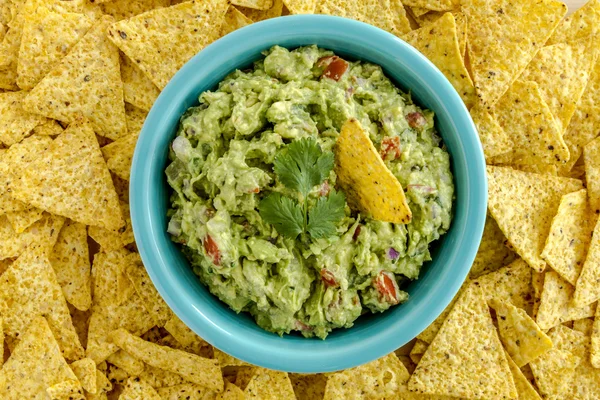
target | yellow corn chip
x=537, y=168
x=129, y=364
x=372, y=187
x=258, y=15
x=199, y=370
x=420, y=11
x=523, y=205
x=87, y=81
x=158, y=378
x=50, y=128
x=309, y=386
x=234, y=20
x=225, y=360
x=138, y=89
x=21, y=220
x=562, y=72
x=123, y=9
x=254, y=4
x=595, y=340
x=85, y=371
x=493, y=138
x=583, y=23
x=47, y=38
x=418, y=350
x=502, y=40
x=186, y=391
x=43, y=233
x=161, y=41
x=92, y=11
x=114, y=240
x=70, y=260
x=103, y=385
x=591, y=156
x=71, y=179
x=553, y=372
x=110, y=282
x=119, y=155
x=137, y=388
x=467, y=345
x=587, y=289
x=492, y=253
x=270, y=385
x=439, y=43
x=435, y=5
x=524, y=114
x=35, y=364
x=116, y=375
x=17, y=157
x=569, y=236
x=584, y=325
x=522, y=338
x=556, y=304
x=301, y=6
x=537, y=283
x=28, y=288
x=231, y=392
x=15, y=122
x=524, y=388
x=184, y=335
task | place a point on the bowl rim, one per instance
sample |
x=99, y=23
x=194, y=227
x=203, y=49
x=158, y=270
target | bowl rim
x=206, y=322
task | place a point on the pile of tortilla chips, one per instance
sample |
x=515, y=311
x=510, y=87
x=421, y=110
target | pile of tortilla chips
x=79, y=316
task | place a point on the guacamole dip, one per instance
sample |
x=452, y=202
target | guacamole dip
x=227, y=173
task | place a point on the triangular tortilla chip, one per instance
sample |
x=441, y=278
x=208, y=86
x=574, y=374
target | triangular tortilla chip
x=524, y=388
x=119, y=155
x=43, y=233
x=35, y=364
x=525, y=116
x=435, y=5
x=301, y=6
x=158, y=378
x=66, y=390
x=562, y=72
x=193, y=392
x=581, y=24
x=584, y=325
x=524, y=204
x=225, y=360
x=430, y=17
x=123, y=9
x=595, y=341
x=86, y=82
x=308, y=386
x=138, y=89
x=522, y=338
x=110, y=282
x=71, y=262
x=47, y=38
x=418, y=350
x=234, y=20
x=123, y=360
x=569, y=236
x=29, y=288
x=466, y=358
x=587, y=289
x=554, y=372
x=270, y=385
x=556, y=303
x=259, y=15
x=15, y=122
x=492, y=253
x=591, y=157
x=137, y=388
x=71, y=179
x=161, y=41
x=114, y=240
x=372, y=188
x=439, y=43
x=201, y=371
x=254, y=4
x=493, y=138
x=503, y=37
x=21, y=220
x=184, y=335
x=85, y=371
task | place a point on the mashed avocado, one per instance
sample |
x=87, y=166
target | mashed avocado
x=222, y=167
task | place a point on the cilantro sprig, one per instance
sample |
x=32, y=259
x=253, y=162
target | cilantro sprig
x=301, y=167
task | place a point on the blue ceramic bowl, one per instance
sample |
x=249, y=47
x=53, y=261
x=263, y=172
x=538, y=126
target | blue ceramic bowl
x=373, y=335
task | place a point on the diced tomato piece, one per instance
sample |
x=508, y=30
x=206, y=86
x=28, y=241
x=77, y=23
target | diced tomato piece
x=390, y=148
x=356, y=233
x=211, y=248
x=255, y=190
x=387, y=287
x=329, y=278
x=416, y=120
x=324, y=189
x=335, y=69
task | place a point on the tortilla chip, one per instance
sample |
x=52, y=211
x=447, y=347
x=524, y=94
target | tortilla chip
x=503, y=37
x=184, y=335
x=110, y=282
x=553, y=372
x=234, y=20
x=435, y=5
x=569, y=236
x=114, y=240
x=129, y=364
x=231, y=392
x=439, y=43
x=562, y=72
x=524, y=204
x=308, y=386
x=225, y=360
x=158, y=378
x=367, y=181
x=595, y=341
x=492, y=253
x=547, y=169
x=22, y=220
x=591, y=156
x=587, y=289
x=584, y=325
x=258, y=15
x=85, y=82
x=71, y=262
x=267, y=384
x=85, y=371
x=185, y=391
x=43, y=233
x=71, y=179
x=179, y=31
x=119, y=155
x=123, y=9
x=144, y=287
x=254, y=4
x=522, y=338
x=537, y=138
x=47, y=38
x=556, y=304
x=493, y=138
x=382, y=14
x=138, y=89
x=23, y=376
x=418, y=350
x=136, y=388
x=199, y=370
x=467, y=345
x=15, y=122
x=581, y=24
x=524, y=388
x=300, y=6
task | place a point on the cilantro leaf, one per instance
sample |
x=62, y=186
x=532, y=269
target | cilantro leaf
x=303, y=166
x=283, y=213
x=325, y=214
